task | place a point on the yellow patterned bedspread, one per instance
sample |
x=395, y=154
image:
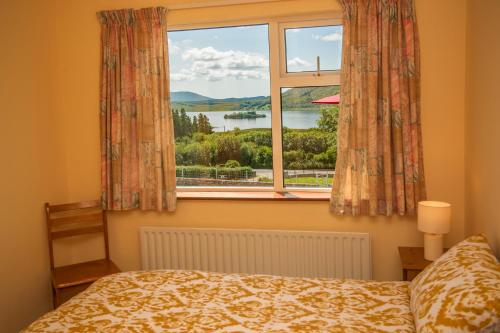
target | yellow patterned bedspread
x=193, y=301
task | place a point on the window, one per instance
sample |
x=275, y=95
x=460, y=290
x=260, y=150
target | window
x=312, y=48
x=242, y=104
x=220, y=95
x=309, y=137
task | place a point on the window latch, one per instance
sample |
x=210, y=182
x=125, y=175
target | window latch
x=318, y=67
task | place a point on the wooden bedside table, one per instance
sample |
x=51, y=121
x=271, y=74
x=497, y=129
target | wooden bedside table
x=412, y=261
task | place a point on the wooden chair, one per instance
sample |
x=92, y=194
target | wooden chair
x=75, y=219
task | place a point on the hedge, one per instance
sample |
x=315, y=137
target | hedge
x=200, y=171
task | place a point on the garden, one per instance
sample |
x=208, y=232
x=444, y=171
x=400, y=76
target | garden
x=244, y=157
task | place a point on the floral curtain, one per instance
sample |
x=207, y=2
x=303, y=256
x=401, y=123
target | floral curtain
x=379, y=166
x=137, y=137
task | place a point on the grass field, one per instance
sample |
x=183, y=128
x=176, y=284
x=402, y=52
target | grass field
x=313, y=181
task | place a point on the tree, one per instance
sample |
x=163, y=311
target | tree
x=263, y=158
x=176, y=119
x=204, y=125
x=302, y=149
x=227, y=148
x=247, y=153
x=294, y=159
x=196, y=154
x=329, y=119
x=184, y=126
x=182, y=123
x=185, y=123
x=195, y=124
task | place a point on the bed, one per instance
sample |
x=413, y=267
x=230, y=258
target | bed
x=460, y=292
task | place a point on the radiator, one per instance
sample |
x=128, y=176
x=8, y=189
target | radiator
x=274, y=252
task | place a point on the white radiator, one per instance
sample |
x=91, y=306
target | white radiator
x=275, y=252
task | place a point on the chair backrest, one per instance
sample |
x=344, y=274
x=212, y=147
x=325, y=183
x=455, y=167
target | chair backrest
x=73, y=219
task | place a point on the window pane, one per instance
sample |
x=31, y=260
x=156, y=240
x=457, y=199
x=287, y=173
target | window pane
x=309, y=136
x=220, y=95
x=304, y=45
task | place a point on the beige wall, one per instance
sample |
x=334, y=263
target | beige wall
x=483, y=119
x=442, y=27
x=54, y=131
x=30, y=169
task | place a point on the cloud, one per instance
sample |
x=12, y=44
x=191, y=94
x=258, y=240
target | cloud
x=215, y=65
x=293, y=30
x=183, y=75
x=298, y=62
x=204, y=54
x=230, y=59
x=172, y=48
x=333, y=37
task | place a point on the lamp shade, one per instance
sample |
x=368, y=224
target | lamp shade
x=434, y=217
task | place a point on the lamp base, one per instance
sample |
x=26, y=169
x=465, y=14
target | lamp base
x=433, y=246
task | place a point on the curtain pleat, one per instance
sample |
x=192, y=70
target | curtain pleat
x=137, y=137
x=379, y=166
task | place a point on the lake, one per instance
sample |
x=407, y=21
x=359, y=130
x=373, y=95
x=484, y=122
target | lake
x=291, y=119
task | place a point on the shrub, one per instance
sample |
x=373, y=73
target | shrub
x=303, y=149
x=263, y=158
x=200, y=171
x=232, y=164
x=329, y=119
x=247, y=152
x=312, y=141
x=261, y=137
x=227, y=148
x=198, y=153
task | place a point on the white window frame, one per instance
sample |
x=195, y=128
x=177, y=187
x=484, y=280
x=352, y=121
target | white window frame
x=298, y=25
x=279, y=78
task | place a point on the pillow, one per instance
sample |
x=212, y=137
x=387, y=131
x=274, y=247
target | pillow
x=493, y=328
x=460, y=291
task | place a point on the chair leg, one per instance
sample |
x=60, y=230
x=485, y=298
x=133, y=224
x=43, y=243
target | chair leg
x=56, y=297
x=53, y=296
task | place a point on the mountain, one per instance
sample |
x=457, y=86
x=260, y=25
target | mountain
x=188, y=96
x=292, y=99
x=301, y=98
x=241, y=99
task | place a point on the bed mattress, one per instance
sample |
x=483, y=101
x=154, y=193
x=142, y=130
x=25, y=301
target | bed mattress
x=194, y=301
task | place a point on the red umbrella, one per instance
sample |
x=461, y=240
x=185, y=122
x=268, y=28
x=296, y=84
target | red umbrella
x=335, y=99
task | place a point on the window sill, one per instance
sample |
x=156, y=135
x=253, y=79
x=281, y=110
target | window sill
x=255, y=196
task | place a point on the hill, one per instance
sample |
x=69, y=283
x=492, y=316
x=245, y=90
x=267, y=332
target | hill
x=292, y=99
x=187, y=96
x=301, y=98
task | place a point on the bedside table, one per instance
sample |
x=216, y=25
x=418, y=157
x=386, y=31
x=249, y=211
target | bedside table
x=412, y=261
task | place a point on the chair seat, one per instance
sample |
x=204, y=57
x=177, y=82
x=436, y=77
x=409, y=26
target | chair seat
x=85, y=272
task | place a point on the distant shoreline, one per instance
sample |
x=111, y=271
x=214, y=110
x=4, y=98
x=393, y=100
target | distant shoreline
x=298, y=109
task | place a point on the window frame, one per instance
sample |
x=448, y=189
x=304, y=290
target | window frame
x=283, y=26
x=279, y=78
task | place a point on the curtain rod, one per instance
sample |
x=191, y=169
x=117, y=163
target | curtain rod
x=216, y=3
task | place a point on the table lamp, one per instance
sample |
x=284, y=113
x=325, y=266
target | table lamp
x=434, y=219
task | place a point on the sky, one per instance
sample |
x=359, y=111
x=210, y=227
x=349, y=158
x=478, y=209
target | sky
x=234, y=61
